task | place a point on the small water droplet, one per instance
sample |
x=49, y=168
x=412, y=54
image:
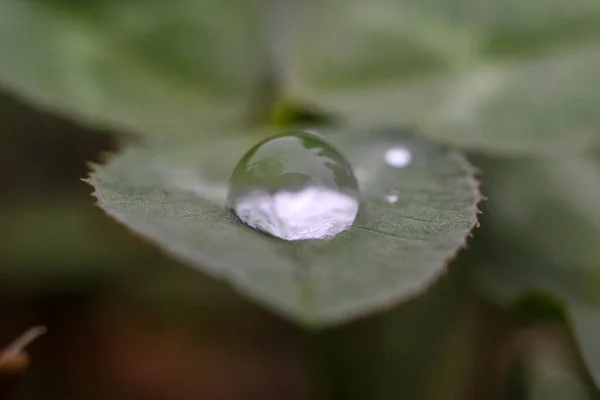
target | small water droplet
x=398, y=157
x=392, y=196
x=294, y=186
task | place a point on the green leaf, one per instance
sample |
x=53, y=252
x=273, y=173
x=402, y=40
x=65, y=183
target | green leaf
x=547, y=209
x=499, y=76
x=540, y=235
x=175, y=196
x=149, y=66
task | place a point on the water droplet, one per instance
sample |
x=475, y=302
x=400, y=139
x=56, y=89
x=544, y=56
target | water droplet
x=294, y=186
x=392, y=196
x=398, y=157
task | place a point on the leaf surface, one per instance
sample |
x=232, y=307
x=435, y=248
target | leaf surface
x=175, y=196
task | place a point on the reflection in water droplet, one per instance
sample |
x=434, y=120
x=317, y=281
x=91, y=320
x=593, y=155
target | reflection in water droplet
x=361, y=175
x=294, y=186
x=398, y=157
x=392, y=196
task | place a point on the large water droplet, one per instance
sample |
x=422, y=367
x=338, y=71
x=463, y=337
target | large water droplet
x=294, y=186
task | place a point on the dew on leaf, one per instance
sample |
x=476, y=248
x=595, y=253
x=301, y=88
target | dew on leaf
x=398, y=157
x=391, y=196
x=294, y=186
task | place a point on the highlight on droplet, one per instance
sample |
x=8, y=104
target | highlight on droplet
x=398, y=157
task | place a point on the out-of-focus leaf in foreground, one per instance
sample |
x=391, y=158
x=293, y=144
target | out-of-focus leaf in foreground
x=149, y=66
x=545, y=217
x=176, y=197
x=500, y=76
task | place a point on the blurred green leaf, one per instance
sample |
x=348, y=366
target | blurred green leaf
x=546, y=209
x=63, y=243
x=540, y=234
x=149, y=66
x=175, y=196
x=501, y=76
